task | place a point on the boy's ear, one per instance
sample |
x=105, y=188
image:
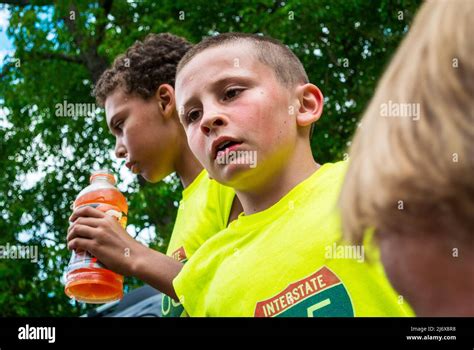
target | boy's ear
x=311, y=104
x=166, y=100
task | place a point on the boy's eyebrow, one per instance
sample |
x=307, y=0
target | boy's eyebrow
x=217, y=84
x=115, y=116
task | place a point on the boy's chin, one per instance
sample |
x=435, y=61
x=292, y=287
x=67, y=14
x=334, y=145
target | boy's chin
x=232, y=175
x=151, y=178
x=147, y=178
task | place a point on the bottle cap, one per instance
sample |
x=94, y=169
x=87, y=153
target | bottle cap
x=103, y=173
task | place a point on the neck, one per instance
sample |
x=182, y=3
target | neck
x=452, y=295
x=270, y=189
x=187, y=166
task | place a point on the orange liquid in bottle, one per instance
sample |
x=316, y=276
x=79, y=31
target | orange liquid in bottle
x=87, y=280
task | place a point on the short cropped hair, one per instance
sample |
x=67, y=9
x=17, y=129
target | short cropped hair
x=144, y=67
x=271, y=52
x=415, y=175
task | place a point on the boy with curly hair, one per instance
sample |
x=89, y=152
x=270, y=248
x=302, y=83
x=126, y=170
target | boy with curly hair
x=138, y=95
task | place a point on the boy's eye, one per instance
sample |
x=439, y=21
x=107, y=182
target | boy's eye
x=232, y=93
x=118, y=125
x=193, y=115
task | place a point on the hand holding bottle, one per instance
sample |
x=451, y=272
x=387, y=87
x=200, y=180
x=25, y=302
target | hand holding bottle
x=105, y=210
x=103, y=237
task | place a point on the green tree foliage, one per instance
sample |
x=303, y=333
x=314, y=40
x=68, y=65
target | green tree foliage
x=61, y=49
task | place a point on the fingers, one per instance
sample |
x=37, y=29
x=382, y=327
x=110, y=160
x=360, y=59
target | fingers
x=81, y=244
x=81, y=231
x=87, y=221
x=86, y=211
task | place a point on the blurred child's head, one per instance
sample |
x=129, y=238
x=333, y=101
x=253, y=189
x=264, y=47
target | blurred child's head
x=138, y=95
x=411, y=176
x=247, y=107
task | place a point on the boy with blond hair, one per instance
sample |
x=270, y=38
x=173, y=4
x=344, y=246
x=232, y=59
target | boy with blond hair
x=241, y=94
x=411, y=178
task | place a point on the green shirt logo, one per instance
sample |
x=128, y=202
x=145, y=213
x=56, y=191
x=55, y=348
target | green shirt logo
x=321, y=294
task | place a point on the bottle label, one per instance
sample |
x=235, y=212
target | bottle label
x=84, y=260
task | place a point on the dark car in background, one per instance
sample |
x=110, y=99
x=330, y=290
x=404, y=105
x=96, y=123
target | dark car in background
x=141, y=302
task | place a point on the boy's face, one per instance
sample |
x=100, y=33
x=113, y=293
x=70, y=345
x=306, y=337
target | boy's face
x=144, y=138
x=226, y=94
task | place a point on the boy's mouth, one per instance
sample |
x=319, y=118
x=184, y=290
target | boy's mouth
x=224, y=144
x=132, y=166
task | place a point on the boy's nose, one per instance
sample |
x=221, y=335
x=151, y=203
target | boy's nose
x=120, y=151
x=212, y=122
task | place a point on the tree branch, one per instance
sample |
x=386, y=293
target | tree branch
x=95, y=63
x=88, y=47
x=6, y=69
x=100, y=30
x=42, y=55
x=57, y=56
x=23, y=3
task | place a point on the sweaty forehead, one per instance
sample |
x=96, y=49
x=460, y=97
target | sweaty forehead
x=114, y=102
x=231, y=55
x=234, y=58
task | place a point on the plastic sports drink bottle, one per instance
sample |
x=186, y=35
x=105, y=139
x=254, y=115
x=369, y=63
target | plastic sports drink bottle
x=87, y=280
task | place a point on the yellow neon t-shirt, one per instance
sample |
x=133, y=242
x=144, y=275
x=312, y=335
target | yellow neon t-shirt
x=203, y=211
x=287, y=261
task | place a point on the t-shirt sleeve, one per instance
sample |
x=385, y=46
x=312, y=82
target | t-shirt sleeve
x=186, y=289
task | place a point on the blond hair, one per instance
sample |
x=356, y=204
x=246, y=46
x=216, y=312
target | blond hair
x=415, y=174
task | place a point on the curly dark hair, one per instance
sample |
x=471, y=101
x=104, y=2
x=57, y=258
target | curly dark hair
x=144, y=67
